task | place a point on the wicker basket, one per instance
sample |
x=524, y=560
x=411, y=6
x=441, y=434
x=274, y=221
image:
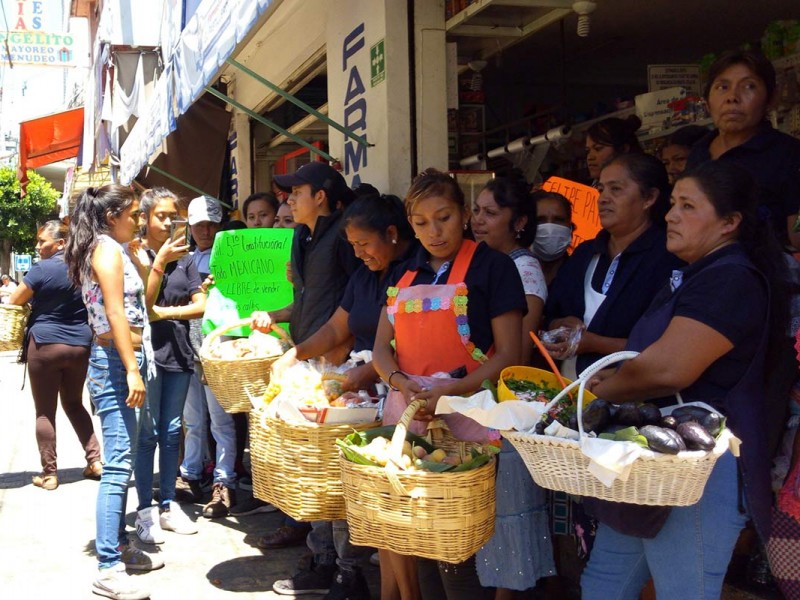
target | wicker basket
x=12, y=326
x=235, y=382
x=441, y=516
x=655, y=479
x=295, y=465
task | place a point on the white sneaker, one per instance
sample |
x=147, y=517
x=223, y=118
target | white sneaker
x=174, y=519
x=116, y=583
x=148, y=527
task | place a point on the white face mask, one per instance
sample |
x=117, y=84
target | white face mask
x=552, y=241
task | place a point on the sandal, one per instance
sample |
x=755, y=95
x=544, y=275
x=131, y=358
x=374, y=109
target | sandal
x=93, y=470
x=46, y=482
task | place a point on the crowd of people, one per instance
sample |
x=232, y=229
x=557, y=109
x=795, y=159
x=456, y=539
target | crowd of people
x=690, y=269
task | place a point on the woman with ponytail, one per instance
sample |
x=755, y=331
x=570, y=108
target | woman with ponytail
x=110, y=267
x=707, y=335
x=57, y=353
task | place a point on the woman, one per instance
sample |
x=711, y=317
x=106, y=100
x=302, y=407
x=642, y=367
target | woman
x=284, y=217
x=553, y=232
x=503, y=217
x=677, y=148
x=6, y=289
x=739, y=90
x=377, y=229
x=609, y=281
x=471, y=347
x=609, y=138
x=520, y=551
x=260, y=210
x=705, y=335
x=57, y=353
x=174, y=290
x=112, y=278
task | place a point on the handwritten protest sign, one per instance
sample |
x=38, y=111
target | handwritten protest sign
x=584, y=207
x=249, y=268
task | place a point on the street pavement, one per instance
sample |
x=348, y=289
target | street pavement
x=47, y=537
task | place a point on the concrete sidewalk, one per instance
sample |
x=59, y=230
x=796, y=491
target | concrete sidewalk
x=47, y=537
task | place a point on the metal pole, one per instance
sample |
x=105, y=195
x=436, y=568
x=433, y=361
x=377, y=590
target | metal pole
x=299, y=103
x=186, y=185
x=268, y=123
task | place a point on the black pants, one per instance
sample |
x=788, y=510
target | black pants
x=439, y=580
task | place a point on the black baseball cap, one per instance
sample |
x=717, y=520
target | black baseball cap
x=321, y=176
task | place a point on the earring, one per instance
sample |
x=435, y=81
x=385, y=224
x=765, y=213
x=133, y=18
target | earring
x=519, y=234
x=394, y=240
x=465, y=226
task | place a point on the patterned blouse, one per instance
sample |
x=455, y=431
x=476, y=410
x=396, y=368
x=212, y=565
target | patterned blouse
x=132, y=296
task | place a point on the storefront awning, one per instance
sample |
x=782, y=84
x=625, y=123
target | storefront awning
x=49, y=139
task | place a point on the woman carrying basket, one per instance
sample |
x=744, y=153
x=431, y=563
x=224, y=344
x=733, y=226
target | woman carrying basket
x=707, y=335
x=471, y=343
x=377, y=229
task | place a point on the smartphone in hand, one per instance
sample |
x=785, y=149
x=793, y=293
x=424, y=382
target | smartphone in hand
x=179, y=230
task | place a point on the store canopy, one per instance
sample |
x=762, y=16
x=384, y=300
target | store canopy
x=49, y=139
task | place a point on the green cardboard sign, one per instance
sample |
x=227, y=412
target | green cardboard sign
x=249, y=268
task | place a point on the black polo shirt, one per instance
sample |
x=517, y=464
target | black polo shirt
x=493, y=283
x=59, y=315
x=773, y=159
x=171, y=346
x=364, y=297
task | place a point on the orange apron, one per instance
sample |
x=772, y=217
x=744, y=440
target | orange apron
x=432, y=336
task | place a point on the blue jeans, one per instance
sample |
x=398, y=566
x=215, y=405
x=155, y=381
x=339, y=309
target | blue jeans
x=330, y=543
x=687, y=559
x=200, y=405
x=108, y=388
x=160, y=425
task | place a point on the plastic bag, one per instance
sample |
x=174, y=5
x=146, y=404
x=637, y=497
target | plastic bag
x=562, y=342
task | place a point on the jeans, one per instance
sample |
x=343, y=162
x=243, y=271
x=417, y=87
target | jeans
x=160, y=425
x=330, y=543
x=108, y=388
x=687, y=559
x=200, y=405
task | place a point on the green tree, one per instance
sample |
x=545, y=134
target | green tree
x=20, y=217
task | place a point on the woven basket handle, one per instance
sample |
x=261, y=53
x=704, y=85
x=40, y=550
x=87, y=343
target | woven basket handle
x=396, y=445
x=593, y=370
x=223, y=329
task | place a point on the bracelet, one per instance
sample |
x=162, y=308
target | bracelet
x=389, y=379
x=157, y=270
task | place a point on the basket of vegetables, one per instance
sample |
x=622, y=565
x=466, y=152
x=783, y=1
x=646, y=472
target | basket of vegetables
x=410, y=497
x=296, y=465
x=238, y=370
x=670, y=457
x=12, y=326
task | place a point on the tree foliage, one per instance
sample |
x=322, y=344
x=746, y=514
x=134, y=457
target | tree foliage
x=20, y=217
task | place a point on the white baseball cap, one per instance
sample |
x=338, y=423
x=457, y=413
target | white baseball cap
x=204, y=208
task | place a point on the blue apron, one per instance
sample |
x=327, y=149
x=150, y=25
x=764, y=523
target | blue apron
x=744, y=406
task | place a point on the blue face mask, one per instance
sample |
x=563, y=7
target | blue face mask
x=552, y=241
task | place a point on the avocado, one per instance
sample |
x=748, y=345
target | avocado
x=649, y=414
x=596, y=416
x=628, y=414
x=696, y=436
x=660, y=439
